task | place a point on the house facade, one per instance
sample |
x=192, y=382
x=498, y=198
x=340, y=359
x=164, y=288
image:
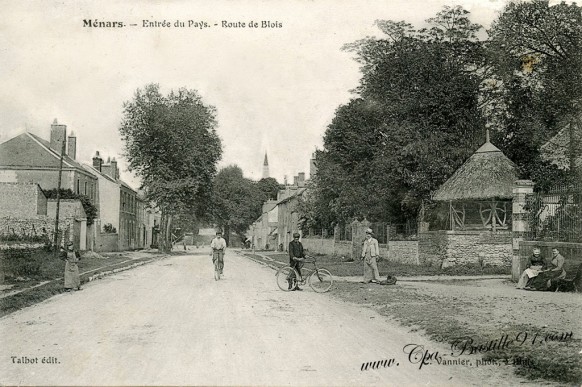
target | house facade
x=120, y=207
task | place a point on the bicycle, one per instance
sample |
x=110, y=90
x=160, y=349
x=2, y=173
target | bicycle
x=218, y=264
x=320, y=280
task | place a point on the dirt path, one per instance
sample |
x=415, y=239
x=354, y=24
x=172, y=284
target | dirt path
x=170, y=323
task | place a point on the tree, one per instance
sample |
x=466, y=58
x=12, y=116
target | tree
x=415, y=120
x=269, y=188
x=536, y=51
x=172, y=145
x=236, y=202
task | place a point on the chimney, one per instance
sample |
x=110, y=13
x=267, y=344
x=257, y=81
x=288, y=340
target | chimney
x=72, y=146
x=97, y=161
x=114, y=172
x=301, y=179
x=295, y=179
x=58, y=136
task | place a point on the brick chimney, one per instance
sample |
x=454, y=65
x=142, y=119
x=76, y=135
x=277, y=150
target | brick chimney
x=72, y=146
x=97, y=161
x=295, y=180
x=113, y=170
x=58, y=136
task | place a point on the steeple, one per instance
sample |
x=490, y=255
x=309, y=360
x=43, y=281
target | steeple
x=265, y=167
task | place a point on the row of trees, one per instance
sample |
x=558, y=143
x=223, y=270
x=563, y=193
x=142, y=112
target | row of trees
x=426, y=98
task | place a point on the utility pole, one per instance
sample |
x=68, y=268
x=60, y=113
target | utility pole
x=56, y=240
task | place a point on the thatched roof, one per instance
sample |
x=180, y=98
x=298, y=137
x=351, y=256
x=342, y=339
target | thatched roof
x=487, y=174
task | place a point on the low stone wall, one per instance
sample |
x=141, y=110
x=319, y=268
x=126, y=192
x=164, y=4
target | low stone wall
x=448, y=248
x=400, y=251
x=107, y=243
x=41, y=225
x=327, y=246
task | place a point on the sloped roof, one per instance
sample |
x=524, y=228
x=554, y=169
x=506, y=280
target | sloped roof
x=297, y=192
x=487, y=174
x=29, y=150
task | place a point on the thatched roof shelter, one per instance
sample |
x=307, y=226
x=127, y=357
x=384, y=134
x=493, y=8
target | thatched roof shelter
x=487, y=174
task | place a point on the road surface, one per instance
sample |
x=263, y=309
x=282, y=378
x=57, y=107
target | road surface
x=171, y=323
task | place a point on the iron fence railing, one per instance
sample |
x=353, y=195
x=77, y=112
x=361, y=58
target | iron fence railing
x=555, y=215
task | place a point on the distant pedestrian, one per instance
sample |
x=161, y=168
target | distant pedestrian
x=72, y=279
x=296, y=260
x=370, y=252
x=218, y=246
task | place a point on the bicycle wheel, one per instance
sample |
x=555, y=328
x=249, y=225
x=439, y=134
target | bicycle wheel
x=321, y=281
x=216, y=270
x=287, y=278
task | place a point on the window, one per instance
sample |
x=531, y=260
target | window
x=86, y=188
x=78, y=186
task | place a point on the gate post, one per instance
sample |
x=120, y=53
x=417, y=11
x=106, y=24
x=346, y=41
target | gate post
x=358, y=234
x=520, y=225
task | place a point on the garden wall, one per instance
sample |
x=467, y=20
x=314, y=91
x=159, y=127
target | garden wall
x=400, y=251
x=448, y=248
x=106, y=242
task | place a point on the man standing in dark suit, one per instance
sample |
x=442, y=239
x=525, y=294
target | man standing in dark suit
x=296, y=258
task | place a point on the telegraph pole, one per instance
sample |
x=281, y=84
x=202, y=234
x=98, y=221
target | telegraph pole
x=56, y=239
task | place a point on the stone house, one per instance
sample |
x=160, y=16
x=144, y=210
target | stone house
x=28, y=158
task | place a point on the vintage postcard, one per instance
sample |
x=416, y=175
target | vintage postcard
x=291, y=192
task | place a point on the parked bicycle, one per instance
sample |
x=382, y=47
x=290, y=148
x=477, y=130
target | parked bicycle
x=320, y=280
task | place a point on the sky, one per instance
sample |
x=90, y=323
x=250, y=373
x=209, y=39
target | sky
x=275, y=89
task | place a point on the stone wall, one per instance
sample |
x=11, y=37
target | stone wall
x=399, y=251
x=447, y=248
x=106, y=242
x=327, y=246
x=41, y=225
x=402, y=251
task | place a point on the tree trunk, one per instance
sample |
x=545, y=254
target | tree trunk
x=226, y=232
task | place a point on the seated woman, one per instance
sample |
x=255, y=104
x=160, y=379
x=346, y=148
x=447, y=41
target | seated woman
x=556, y=271
x=534, y=267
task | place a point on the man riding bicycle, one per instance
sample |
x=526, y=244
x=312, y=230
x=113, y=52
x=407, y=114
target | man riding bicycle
x=218, y=245
x=296, y=259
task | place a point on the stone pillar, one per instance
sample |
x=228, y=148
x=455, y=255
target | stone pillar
x=520, y=223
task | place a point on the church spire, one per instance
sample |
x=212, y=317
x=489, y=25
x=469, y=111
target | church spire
x=266, y=167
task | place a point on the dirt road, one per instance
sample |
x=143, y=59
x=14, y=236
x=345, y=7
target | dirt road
x=170, y=323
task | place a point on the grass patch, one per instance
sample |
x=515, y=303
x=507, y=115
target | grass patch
x=53, y=269
x=355, y=268
x=445, y=319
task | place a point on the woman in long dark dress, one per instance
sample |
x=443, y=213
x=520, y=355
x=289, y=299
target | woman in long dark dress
x=542, y=281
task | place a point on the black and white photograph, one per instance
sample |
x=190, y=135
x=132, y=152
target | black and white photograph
x=291, y=193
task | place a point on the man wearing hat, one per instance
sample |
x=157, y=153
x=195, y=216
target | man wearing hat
x=296, y=258
x=217, y=246
x=370, y=252
x=72, y=279
x=534, y=267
